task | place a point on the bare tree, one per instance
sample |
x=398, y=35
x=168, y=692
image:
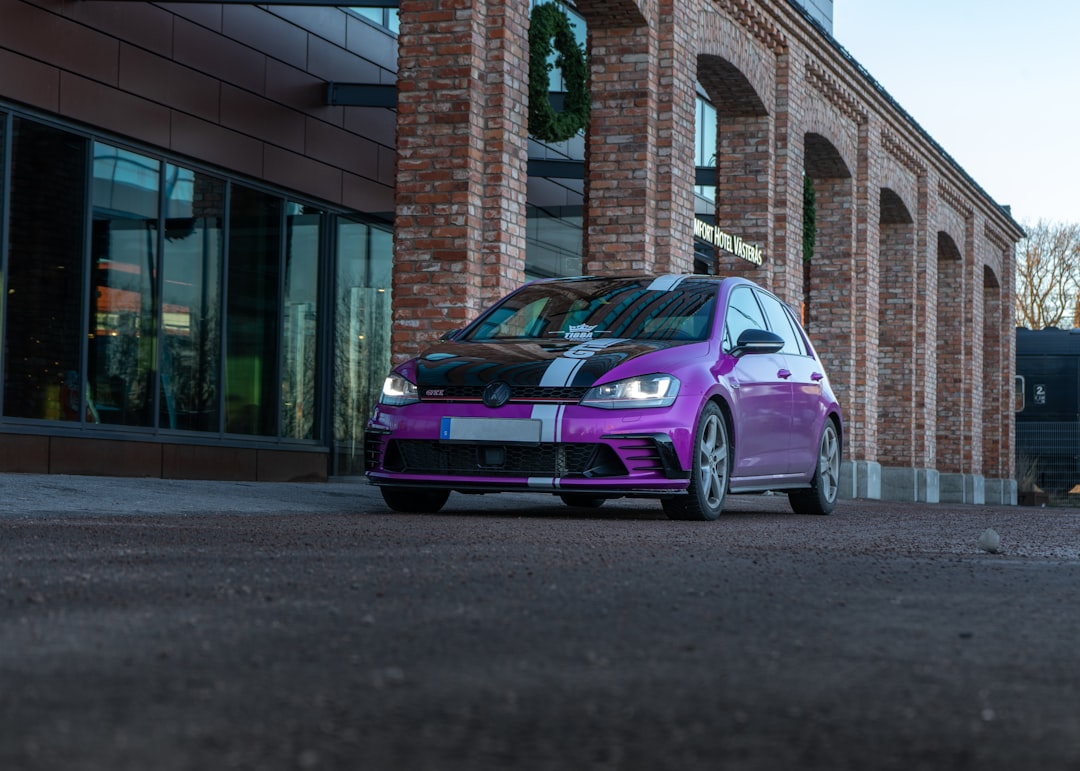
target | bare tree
x=1048, y=276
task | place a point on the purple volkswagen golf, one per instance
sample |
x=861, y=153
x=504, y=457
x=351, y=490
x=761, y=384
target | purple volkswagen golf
x=681, y=388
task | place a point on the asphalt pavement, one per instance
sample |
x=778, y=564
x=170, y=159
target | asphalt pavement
x=163, y=625
x=29, y=494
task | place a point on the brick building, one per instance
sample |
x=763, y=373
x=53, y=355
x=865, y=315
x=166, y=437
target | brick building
x=232, y=175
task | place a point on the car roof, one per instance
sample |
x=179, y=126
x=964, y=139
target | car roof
x=661, y=279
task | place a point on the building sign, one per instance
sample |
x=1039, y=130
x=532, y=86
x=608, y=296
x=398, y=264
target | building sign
x=745, y=250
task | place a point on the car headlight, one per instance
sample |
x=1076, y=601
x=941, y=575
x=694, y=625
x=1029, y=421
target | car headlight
x=397, y=391
x=635, y=392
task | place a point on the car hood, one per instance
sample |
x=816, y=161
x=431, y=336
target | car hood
x=532, y=363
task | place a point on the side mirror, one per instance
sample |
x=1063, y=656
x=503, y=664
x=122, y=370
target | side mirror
x=757, y=341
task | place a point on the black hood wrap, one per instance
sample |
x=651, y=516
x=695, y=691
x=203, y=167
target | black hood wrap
x=526, y=363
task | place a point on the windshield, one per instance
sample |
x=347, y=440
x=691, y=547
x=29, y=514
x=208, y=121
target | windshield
x=588, y=309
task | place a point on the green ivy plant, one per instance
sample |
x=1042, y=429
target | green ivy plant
x=809, y=219
x=549, y=22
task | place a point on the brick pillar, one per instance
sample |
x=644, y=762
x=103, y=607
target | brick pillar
x=863, y=444
x=744, y=194
x=952, y=357
x=832, y=321
x=1007, y=335
x=926, y=323
x=506, y=151
x=675, y=139
x=620, y=150
x=897, y=348
x=974, y=356
x=461, y=163
x=783, y=255
x=997, y=390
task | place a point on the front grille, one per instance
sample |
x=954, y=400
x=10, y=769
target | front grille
x=374, y=444
x=544, y=460
x=518, y=393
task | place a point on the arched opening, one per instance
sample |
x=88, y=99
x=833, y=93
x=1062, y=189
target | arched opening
x=742, y=158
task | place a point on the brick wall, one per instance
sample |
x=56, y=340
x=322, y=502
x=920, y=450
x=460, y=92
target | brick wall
x=913, y=332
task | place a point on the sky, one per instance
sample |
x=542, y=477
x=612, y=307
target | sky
x=996, y=83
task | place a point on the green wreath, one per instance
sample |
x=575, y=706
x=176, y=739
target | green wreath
x=549, y=21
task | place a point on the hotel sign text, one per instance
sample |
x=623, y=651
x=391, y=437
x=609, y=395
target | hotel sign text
x=729, y=243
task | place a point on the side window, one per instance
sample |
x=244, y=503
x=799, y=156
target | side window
x=743, y=313
x=780, y=322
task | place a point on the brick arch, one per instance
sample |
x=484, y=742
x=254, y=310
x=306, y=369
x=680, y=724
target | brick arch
x=601, y=14
x=822, y=159
x=947, y=248
x=729, y=90
x=900, y=183
x=736, y=64
x=829, y=142
x=893, y=209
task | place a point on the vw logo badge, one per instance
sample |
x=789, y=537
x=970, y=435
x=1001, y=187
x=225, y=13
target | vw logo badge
x=496, y=394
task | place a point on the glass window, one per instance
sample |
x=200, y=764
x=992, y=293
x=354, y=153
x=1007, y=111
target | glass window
x=780, y=322
x=553, y=242
x=600, y=309
x=191, y=301
x=743, y=314
x=122, y=353
x=386, y=17
x=361, y=334
x=303, y=227
x=251, y=348
x=44, y=325
x=144, y=294
x=705, y=145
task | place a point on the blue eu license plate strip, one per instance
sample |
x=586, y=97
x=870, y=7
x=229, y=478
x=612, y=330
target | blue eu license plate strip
x=497, y=430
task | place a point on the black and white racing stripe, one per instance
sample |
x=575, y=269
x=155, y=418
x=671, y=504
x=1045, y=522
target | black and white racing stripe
x=561, y=373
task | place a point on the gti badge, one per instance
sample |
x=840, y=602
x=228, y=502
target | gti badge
x=496, y=394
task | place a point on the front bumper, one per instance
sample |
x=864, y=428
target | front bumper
x=581, y=450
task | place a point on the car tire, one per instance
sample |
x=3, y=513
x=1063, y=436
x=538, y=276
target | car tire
x=825, y=484
x=411, y=500
x=709, y=473
x=582, y=500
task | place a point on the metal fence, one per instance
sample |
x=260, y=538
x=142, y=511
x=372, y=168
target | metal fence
x=1048, y=462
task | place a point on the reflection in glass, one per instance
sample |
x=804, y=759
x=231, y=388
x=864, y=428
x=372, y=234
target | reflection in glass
x=123, y=259
x=553, y=241
x=299, y=362
x=251, y=347
x=191, y=300
x=361, y=335
x=43, y=332
x=705, y=150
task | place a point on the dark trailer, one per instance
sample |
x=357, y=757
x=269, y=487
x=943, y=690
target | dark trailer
x=1048, y=414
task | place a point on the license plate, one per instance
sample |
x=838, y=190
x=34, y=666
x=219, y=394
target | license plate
x=498, y=430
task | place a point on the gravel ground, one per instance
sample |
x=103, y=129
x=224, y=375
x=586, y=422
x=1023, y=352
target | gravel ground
x=155, y=624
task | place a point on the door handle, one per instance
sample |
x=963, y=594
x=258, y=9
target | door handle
x=817, y=377
x=783, y=374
